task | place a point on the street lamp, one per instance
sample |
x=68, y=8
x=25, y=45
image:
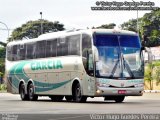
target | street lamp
x=41, y=23
x=6, y=27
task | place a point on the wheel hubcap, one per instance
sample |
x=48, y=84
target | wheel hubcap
x=78, y=93
x=22, y=93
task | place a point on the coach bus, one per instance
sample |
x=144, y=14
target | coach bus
x=76, y=65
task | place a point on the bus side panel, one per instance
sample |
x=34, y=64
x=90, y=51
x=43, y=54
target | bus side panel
x=12, y=85
x=88, y=85
x=9, y=85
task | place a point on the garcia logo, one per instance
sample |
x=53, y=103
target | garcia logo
x=122, y=84
x=44, y=65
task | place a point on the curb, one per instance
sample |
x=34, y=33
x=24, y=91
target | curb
x=151, y=91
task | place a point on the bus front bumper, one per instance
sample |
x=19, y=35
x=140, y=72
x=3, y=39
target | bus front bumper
x=102, y=91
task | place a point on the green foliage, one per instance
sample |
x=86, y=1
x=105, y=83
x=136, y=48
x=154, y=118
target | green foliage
x=152, y=72
x=2, y=66
x=2, y=60
x=107, y=26
x=2, y=52
x=156, y=74
x=32, y=29
x=131, y=25
x=149, y=27
x=3, y=87
x=148, y=76
x=3, y=44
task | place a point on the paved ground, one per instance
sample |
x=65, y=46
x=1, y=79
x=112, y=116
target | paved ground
x=148, y=103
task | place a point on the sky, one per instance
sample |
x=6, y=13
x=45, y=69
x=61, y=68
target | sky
x=72, y=13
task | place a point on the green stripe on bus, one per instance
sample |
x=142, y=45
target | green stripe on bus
x=17, y=73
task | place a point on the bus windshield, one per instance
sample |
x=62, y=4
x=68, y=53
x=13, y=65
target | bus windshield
x=119, y=56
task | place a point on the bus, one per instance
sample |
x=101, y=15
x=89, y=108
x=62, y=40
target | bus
x=76, y=65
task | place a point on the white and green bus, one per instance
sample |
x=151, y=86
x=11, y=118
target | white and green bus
x=76, y=65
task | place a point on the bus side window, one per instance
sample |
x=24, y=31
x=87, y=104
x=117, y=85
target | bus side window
x=9, y=53
x=62, y=47
x=86, y=53
x=30, y=50
x=40, y=49
x=22, y=51
x=51, y=48
x=15, y=53
x=18, y=52
x=74, y=45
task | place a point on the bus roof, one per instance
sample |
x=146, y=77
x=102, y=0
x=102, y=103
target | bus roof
x=73, y=32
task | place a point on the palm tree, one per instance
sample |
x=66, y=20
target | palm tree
x=3, y=44
x=149, y=75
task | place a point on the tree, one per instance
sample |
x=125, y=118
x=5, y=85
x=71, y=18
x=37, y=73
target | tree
x=2, y=52
x=151, y=27
x=2, y=59
x=149, y=75
x=157, y=71
x=32, y=29
x=107, y=26
x=3, y=44
x=130, y=25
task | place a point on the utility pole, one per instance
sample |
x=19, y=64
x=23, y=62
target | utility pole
x=137, y=20
x=41, y=23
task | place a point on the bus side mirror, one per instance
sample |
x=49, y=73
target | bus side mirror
x=96, y=55
x=149, y=54
x=142, y=48
x=90, y=66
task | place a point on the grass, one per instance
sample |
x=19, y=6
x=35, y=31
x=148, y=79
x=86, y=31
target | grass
x=3, y=87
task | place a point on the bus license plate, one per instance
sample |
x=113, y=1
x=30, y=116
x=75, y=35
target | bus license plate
x=122, y=91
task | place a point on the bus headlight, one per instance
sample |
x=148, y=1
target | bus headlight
x=98, y=91
x=139, y=85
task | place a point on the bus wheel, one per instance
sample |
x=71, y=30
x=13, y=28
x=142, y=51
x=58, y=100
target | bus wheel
x=31, y=92
x=56, y=98
x=22, y=92
x=77, y=94
x=69, y=98
x=119, y=99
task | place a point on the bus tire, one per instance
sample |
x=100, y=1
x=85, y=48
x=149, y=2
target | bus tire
x=22, y=93
x=77, y=94
x=31, y=93
x=119, y=99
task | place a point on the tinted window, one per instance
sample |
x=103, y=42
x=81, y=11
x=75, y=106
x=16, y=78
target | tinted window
x=51, y=48
x=30, y=50
x=116, y=40
x=87, y=54
x=86, y=44
x=40, y=49
x=15, y=53
x=62, y=47
x=74, y=45
x=22, y=51
x=9, y=53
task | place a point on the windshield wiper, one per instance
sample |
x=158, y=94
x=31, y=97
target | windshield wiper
x=128, y=68
x=114, y=68
x=122, y=62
